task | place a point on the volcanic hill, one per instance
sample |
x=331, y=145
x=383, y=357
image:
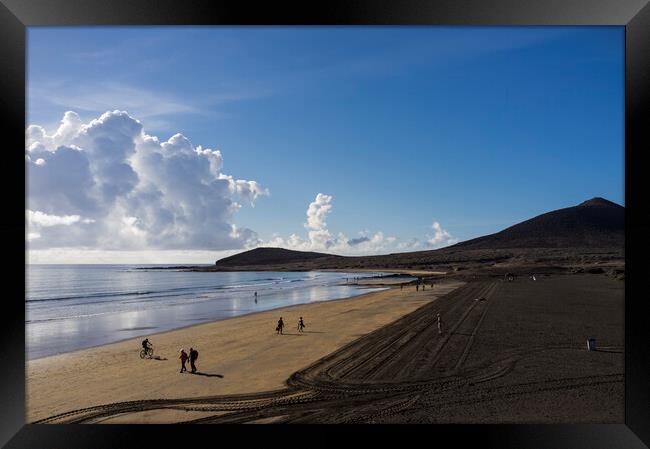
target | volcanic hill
x=589, y=233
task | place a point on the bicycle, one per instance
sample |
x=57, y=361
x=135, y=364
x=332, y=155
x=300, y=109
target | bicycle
x=146, y=352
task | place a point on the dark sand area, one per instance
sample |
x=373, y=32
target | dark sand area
x=538, y=330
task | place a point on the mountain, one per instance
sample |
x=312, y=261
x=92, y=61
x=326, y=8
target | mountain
x=269, y=256
x=589, y=232
x=595, y=223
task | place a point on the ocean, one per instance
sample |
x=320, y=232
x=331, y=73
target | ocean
x=71, y=307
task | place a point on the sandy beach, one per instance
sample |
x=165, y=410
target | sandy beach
x=237, y=355
x=483, y=351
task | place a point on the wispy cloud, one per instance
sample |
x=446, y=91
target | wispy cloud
x=157, y=109
x=115, y=52
x=110, y=96
x=449, y=50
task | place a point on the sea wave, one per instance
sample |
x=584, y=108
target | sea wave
x=114, y=294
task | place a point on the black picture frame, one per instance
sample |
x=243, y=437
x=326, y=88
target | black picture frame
x=634, y=15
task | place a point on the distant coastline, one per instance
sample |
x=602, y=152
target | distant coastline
x=566, y=240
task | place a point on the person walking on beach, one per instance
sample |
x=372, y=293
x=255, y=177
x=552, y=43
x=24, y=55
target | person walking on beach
x=183, y=358
x=194, y=354
x=301, y=325
x=417, y=287
x=439, y=326
x=280, y=326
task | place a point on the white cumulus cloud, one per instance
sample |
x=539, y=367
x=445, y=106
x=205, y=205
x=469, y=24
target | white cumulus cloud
x=116, y=187
x=317, y=212
x=441, y=237
x=320, y=238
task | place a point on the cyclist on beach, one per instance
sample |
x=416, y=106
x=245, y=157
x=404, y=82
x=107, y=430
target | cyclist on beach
x=146, y=346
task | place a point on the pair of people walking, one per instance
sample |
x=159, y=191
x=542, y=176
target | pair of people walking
x=193, y=356
x=280, y=327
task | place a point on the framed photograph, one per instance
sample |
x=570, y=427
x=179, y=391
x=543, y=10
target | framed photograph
x=425, y=213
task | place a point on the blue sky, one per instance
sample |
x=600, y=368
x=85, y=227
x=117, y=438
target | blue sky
x=472, y=128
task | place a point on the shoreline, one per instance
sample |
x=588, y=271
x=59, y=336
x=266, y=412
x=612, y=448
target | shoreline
x=239, y=355
x=280, y=269
x=218, y=320
x=194, y=313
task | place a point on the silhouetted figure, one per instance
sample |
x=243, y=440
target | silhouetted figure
x=146, y=346
x=280, y=326
x=194, y=354
x=183, y=358
x=423, y=286
x=401, y=286
x=301, y=325
x=417, y=288
x=439, y=326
